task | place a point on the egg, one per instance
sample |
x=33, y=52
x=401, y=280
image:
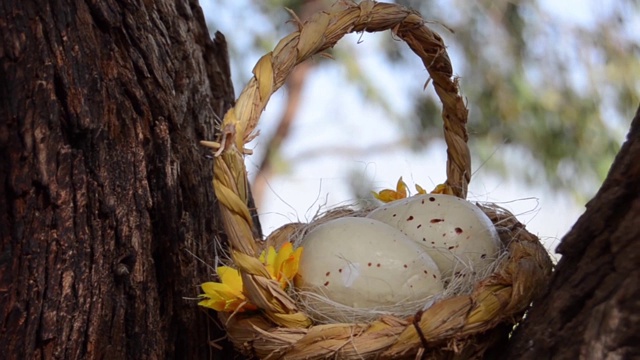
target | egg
x=364, y=263
x=458, y=236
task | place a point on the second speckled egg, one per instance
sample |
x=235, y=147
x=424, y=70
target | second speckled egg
x=456, y=233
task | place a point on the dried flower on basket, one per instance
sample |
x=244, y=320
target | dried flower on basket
x=389, y=195
x=227, y=295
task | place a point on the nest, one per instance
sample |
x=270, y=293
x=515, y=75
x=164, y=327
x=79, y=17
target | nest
x=458, y=326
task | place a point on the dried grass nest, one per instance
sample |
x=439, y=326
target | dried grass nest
x=461, y=326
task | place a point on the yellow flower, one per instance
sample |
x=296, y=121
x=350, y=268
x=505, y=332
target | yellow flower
x=388, y=195
x=443, y=189
x=282, y=265
x=227, y=294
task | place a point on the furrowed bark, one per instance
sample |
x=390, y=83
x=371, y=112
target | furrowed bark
x=106, y=200
x=592, y=307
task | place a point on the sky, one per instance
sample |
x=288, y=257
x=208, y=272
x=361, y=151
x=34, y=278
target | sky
x=333, y=110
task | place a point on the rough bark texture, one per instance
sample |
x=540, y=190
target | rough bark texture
x=592, y=307
x=106, y=197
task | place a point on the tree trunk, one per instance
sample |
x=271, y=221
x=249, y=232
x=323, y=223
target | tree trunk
x=592, y=307
x=107, y=213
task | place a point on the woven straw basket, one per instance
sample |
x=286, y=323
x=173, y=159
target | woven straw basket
x=458, y=327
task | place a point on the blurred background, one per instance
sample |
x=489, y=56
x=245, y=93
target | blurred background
x=551, y=87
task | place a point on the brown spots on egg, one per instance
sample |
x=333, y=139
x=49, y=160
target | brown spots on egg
x=451, y=247
x=340, y=270
x=328, y=273
x=422, y=202
x=435, y=221
x=369, y=264
x=410, y=218
x=406, y=266
x=483, y=256
x=378, y=265
x=432, y=199
x=394, y=215
x=326, y=283
x=458, y=230
x=419, y=226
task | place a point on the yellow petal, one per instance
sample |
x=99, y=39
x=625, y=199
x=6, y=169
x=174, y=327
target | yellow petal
x=420, y=190
x=443, y=189
x=401, y=189
x=221, y=297
x=286, y=264
x=217, y=305
x=230, y=305
x=388, y=195
x=269, y=260
x=217, y=291
x=289, y=268
x=285, y=252
x=230, y=277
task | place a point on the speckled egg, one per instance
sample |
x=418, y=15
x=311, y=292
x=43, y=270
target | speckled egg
x=364, y=263
x=456, y=233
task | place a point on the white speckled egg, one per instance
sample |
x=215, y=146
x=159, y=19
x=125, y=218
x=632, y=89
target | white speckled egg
x=363, y=263
x=456, y=233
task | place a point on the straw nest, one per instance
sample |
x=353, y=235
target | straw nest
x=457, y=327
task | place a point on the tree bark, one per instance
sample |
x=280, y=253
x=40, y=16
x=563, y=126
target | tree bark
x=107, y=213
x=592, y=307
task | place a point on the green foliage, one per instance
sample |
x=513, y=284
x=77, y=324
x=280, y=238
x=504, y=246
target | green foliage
x=559, y=94
x=548, y=88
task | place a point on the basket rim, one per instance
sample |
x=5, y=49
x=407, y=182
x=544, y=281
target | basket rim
x=450, y=324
